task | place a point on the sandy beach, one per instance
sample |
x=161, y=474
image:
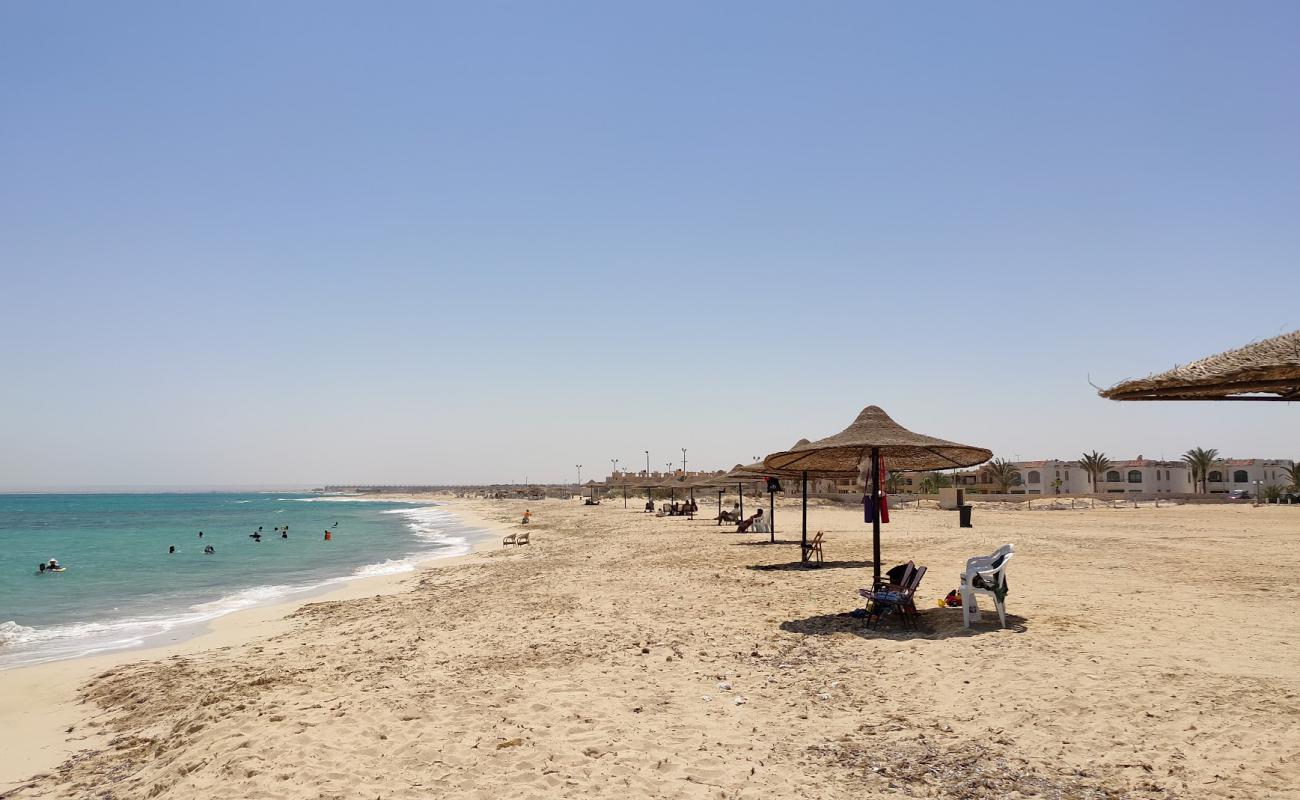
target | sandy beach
x=1149, y=655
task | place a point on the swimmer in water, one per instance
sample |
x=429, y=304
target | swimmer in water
x=171, y=550
x=200, y=534
x=40, y=568
x=209, y=550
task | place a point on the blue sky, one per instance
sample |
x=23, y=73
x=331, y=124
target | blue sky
x=305, y=242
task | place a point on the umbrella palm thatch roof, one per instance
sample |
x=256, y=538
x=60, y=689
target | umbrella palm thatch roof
x=1267, y=370
x=902, y=449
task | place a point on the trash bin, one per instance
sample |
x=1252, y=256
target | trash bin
x=964, y=511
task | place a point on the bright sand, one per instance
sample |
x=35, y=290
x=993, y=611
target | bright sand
x=1150, y=654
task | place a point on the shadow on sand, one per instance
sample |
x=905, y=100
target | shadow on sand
x=767, y=543
x=935, y=623
x=811, y=565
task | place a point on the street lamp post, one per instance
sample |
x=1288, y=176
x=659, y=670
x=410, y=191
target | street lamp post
x=579, y=466
x=683, y=462
x=647, y=464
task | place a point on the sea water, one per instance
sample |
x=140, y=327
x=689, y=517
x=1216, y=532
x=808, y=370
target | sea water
x=122, y=588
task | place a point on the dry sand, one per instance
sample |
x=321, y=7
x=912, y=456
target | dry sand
x=1150, y=655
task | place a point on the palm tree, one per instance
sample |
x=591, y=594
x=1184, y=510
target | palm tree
x=1199, y=461
x=1293, y=472
x=894, y=482
x=1003, y=473
x=934, y=481
x=1095, y=464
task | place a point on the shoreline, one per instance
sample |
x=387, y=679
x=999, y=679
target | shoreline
x=39, y=704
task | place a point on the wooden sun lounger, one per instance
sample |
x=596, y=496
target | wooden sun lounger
x=518, y=538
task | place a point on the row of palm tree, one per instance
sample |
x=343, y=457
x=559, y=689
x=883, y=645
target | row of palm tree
x=1003, y=473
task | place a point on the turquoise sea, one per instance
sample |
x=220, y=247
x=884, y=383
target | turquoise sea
x=121, y=587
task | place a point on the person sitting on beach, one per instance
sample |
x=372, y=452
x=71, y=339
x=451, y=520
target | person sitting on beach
x=695, y=509
x=649, y=506
x=747, y=524
x=527, y=516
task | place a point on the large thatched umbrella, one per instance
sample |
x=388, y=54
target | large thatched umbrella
x=873, y=435
x=1267, y=370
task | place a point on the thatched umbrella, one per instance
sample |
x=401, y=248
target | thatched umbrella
x=872, y=435
x=738, y=475
x=1267, y=370
x=760, y=468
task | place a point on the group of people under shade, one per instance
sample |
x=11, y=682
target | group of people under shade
x=678, y=508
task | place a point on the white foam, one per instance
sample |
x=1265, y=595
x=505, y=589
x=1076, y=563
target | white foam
x=349, y=500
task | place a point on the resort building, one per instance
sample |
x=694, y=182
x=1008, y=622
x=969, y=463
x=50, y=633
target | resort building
x=1137, y=476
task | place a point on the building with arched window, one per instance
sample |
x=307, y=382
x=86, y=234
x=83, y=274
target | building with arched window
x=1139, y=475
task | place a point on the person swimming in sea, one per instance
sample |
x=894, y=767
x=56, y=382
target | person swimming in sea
x=40, y=568
x=209, y=550
x=200, y=534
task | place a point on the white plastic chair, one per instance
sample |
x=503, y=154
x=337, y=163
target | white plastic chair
x=761, y=525
x=992, y=570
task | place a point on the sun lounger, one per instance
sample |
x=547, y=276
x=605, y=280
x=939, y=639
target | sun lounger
x=814, y=548
x=518, y=538
x=986, y=575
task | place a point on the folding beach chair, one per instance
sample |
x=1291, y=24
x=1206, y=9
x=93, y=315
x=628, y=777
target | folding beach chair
x=887, y=598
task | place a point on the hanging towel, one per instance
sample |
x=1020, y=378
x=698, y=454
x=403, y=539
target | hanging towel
x=884, y=498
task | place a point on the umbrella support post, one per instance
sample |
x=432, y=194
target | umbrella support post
x=803, y=555
x=740, y=490
x=771, y=515
x=720, y=493
x=875, y=513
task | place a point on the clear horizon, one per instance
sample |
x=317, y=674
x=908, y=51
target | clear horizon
x=307, y=244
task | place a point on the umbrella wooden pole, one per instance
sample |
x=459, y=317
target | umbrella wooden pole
x=771, y=514
x=804, y=535
x=740, y=490
x=624, y=497
x=875, y=506
x=720, y=493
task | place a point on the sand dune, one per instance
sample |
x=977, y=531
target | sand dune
x=1151, y=655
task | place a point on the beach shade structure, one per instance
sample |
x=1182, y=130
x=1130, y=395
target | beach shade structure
x=738, y=475
x=803, y=475
x=1267, y=370
x=591, y=489
x=873, y=436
